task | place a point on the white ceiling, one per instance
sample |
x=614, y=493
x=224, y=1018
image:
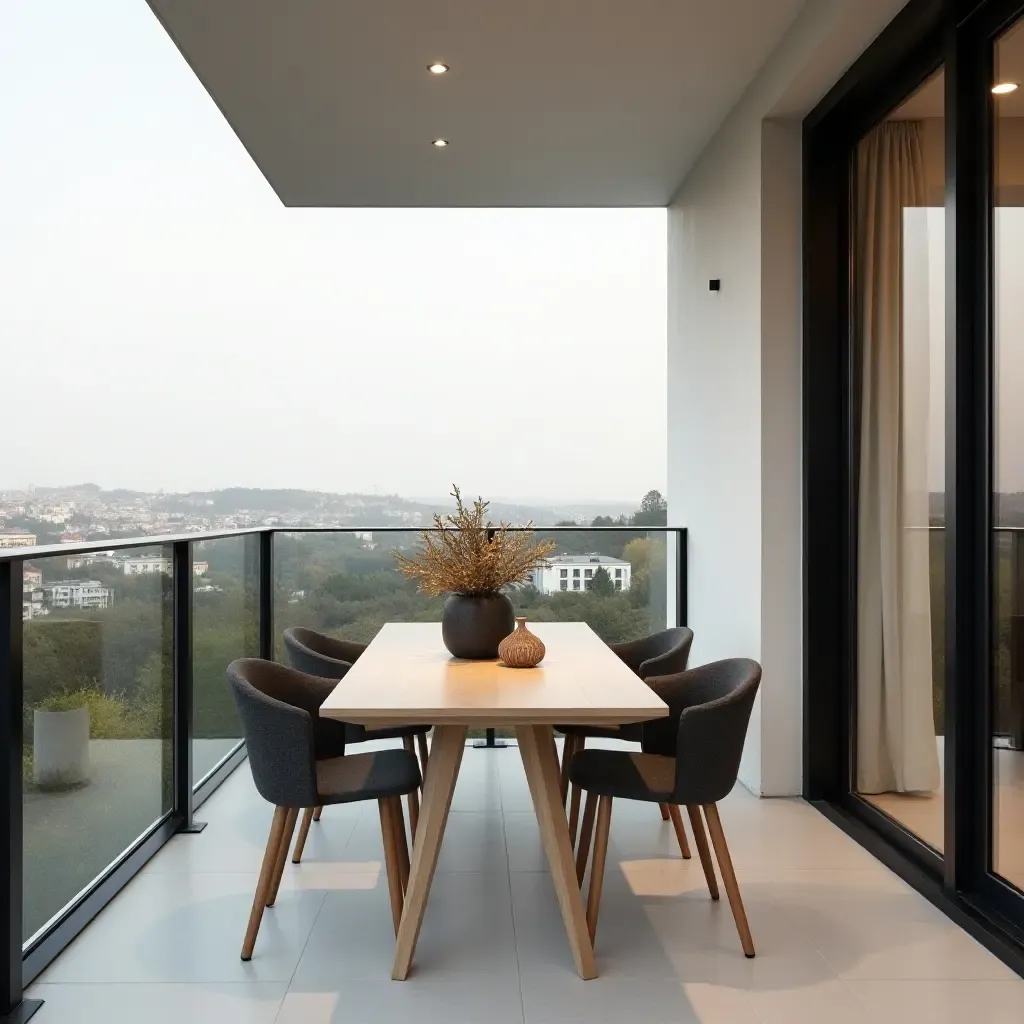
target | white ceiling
x=548, y=102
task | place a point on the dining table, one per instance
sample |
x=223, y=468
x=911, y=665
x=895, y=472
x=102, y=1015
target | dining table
x=406, y=676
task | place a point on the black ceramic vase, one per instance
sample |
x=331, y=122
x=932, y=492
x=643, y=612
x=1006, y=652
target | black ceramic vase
x=472, y=626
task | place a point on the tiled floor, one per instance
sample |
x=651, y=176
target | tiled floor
x=839, y=938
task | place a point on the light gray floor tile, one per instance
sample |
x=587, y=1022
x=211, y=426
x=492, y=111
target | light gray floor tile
x=467, y=930
x=465, y=1000
x=238, y=1003
x=189, y=928
x=942, y=1001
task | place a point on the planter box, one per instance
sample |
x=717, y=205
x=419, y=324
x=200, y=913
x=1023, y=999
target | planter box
x=60, y=748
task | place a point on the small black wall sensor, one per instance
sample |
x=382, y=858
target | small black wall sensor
x=715, y=285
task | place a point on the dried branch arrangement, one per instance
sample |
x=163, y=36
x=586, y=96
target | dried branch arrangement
x=458, y=558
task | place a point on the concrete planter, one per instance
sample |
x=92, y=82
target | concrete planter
x=60, y=748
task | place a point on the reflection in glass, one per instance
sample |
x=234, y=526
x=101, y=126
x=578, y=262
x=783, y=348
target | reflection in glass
x=900, y=327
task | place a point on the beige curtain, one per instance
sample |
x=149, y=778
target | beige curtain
x=896, y=748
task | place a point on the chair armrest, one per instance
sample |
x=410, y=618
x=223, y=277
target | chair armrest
x=631, y=652
x=679, y=691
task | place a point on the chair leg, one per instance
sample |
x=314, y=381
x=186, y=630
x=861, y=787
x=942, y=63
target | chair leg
x=414, y=812
x=317, y=813
x=604, y=821
x=574, y=813
x=282, y=853
x=732, y=888
x=664, y=811
x=421, y=739
x=677, y=824
x=300, y=840
x=703, y=851
x=586, y=831
x=387, y=831
x=266, y=879
x=568, y=749
x=401, y=841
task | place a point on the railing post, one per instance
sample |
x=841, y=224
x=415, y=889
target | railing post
x=12, y=820
x=682, y=611
x=182, y=681
x=266, y=571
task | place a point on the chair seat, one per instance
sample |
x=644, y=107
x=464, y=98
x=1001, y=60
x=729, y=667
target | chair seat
x=624, y=774
x=381, y=773
x=631, y=733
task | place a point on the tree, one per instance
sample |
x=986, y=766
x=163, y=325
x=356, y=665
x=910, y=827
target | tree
x=653, y=510
x=601, y=585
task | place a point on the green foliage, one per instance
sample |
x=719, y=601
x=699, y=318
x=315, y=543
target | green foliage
x=601, y=585
x=111, y=716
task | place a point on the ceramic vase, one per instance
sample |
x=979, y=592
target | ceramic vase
x=472, y=625
x=521, y=648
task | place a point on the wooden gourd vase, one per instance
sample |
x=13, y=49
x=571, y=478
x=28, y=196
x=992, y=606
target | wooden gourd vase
x=521, y=648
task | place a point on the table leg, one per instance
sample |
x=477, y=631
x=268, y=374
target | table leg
x=445, y=758
x=542, y=773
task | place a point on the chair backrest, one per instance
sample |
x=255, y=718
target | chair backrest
x=666, y=652
x=319, y=655
x=718, y=699
x=278, y=706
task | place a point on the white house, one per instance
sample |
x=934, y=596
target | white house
x=575, y=572
x=78, y=594
x=141, y=565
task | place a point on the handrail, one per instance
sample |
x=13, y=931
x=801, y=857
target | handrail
x=120, y=543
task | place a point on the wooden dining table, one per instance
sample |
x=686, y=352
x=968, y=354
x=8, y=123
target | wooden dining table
x=406, y=676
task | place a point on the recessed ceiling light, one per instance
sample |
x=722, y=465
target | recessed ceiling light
x=437, y=69
x=1002, y=88
x=440, y=143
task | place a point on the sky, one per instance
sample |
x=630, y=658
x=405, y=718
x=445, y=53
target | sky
x=166, y=323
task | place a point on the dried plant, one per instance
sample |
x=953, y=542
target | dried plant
x=467, y=555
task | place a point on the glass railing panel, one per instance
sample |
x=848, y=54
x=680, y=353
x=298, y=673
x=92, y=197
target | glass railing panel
x=97, y=752
x=225, y=626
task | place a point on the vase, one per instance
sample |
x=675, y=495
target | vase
x=472, y=625
x=521, y=648
x=60, y=748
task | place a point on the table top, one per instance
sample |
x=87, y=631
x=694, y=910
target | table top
x=407, y=675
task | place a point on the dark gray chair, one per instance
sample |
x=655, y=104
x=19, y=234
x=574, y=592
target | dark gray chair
x=329, y=658
x=278, y=707
x=709, y=712
x=660, y=654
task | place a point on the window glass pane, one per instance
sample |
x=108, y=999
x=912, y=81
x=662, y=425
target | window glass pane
x=900, y=335
x=1008, y=465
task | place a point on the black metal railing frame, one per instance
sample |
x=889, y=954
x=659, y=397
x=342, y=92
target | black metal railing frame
x=20, y=964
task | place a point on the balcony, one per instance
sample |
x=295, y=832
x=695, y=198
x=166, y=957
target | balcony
x=838, y=935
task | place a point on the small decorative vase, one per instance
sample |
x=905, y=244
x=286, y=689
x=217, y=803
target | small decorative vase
x=472, y=625
x=521, y=648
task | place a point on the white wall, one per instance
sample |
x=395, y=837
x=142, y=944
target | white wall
x=734, y=373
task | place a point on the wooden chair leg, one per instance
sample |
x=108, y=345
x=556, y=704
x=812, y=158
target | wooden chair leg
x=604, y=821
x=664, y=811
x=574, y=813
x=568, y=749
x=414, y=812
x=732, y=888
x=703, y=851
x=388, y=835
x=265, y=880
x=317, y=812
x=677, y=824
x=586, y=831
x=282, y=853
x=401, y=841
x=421, y=739
x=300, y=840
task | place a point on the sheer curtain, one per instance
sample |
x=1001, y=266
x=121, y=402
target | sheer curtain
x=896, y=748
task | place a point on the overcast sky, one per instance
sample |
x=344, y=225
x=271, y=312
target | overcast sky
x=166, y=323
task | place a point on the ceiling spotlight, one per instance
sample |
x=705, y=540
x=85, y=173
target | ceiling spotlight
x=437, y=69
x=1002, y=88
x=440, y=143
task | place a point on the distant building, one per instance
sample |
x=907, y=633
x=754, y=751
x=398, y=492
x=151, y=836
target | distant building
x=77, y=594
x=200, y=568
x=31, y=578
x=575, y=572
x=32, y=606
x=72, y=538
x=17, y=539
x=144, y=565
